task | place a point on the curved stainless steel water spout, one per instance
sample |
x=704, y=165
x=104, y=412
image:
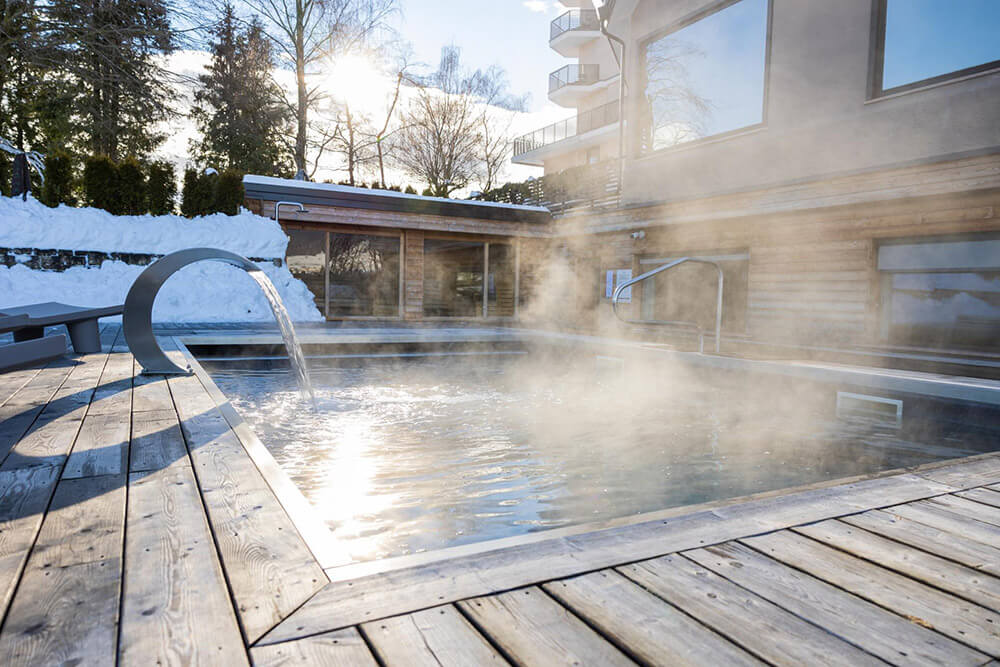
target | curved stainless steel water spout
x=667, y=267
x=137, y=316
x=302, y=209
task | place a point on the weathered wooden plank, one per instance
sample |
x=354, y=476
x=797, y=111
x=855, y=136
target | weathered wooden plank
x=984, y=495
x=51, y=436
x=12, y=381
x=176, y=607
x=269, y=566
x=964, y=582
x=974, y=510
x=866, y=625
x=438, y=636
x=157, y=442
x=101, y=447
x=967, y=474
x=948, y=521
x=66, y=607
x=47, y=442
x=643, y=625
x=24, y=495
x=150, y=392
x=342, y=603
x=532, y=628
x=953, y=546
x=951, y=616
x=19, y=413
x=749, y=620
x=342, y=648
x=114, y=393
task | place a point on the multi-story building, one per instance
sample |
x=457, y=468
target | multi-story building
x=589, y=86
x=839, y=160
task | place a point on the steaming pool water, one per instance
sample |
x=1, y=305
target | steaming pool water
x=404, y=455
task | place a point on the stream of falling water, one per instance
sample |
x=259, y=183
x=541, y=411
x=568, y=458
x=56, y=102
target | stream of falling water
x=295, y=356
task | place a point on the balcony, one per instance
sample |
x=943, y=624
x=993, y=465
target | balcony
x=591, y=186
x=570, y=84
x=572, y=30
x=582, y=129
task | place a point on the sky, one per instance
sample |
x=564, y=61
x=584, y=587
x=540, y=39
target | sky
x=511, y=33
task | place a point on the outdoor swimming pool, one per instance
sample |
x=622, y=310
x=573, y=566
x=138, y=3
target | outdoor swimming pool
x=404, y=455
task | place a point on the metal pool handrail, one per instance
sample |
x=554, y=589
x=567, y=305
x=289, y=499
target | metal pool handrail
x=660, y=269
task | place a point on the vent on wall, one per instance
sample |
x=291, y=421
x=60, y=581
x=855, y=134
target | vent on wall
x=887, y=411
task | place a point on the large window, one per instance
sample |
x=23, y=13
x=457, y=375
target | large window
x=349, y=275
x=707, y=77
x=453, y=278
x=304, y=257
x=364, y=275
x=941, y=293
x=920, y=42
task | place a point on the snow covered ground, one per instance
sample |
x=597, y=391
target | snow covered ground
x=203, y=292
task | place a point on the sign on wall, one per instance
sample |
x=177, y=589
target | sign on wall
x=615, y=277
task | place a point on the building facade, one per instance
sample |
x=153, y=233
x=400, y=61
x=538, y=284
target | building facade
x=839, y=160
x=589, y=85
x=379, y=254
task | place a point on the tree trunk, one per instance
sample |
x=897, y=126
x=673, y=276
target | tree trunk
x=302, y=109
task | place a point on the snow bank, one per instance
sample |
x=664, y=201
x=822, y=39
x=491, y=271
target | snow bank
x=203, y=292
x=31, y=224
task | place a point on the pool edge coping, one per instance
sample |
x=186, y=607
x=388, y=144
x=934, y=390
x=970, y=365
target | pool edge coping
x=322, y=543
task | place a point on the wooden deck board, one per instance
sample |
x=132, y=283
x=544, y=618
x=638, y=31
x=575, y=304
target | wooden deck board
x=341, y=648
x=963, y=621
x=880, y=632
x=271, y=570
x=532, y=628
x=643, y=625
x=437, y=636
x=984, y=495
x=66, y=607
x=759, y=626
x=176, y=606
x=973, y=585
x=119, y=489
x=950, y=545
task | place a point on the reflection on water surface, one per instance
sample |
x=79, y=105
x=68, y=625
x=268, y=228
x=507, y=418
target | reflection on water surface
x=407, y=456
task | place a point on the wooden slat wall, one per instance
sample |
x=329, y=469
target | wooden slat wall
x=413, y=274
x=813, y=275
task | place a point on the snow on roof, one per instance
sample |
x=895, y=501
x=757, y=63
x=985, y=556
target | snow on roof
x=251, y=179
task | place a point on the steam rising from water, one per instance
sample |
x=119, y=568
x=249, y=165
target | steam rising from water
x=406, y=456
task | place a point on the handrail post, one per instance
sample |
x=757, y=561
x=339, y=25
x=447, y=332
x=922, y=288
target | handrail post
x=666, y=267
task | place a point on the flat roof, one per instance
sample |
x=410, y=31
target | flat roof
x=327, y=194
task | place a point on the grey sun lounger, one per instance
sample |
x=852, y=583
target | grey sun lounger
x=81, y=322
x=29, y=352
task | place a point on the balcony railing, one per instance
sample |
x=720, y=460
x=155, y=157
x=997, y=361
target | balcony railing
x=574, y=19
x=591, y=186
x=583, y=122
x=574, y=75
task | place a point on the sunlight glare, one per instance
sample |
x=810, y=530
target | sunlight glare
x=358, y=80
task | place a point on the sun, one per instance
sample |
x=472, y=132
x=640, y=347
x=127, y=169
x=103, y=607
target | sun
x=357, y=80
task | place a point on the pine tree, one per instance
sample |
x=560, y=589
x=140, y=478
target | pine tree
x=106, y=50
x=237, y=108
x=18, y=68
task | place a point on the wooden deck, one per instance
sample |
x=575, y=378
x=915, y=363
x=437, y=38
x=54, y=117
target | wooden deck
x=136, y=527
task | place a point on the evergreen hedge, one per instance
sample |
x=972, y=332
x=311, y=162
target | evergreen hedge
x=58, y=187
x=131, y=187
x=100, y=184
x=5, y=174
x=198, y=196
x=161, y=188
x=229, y=192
